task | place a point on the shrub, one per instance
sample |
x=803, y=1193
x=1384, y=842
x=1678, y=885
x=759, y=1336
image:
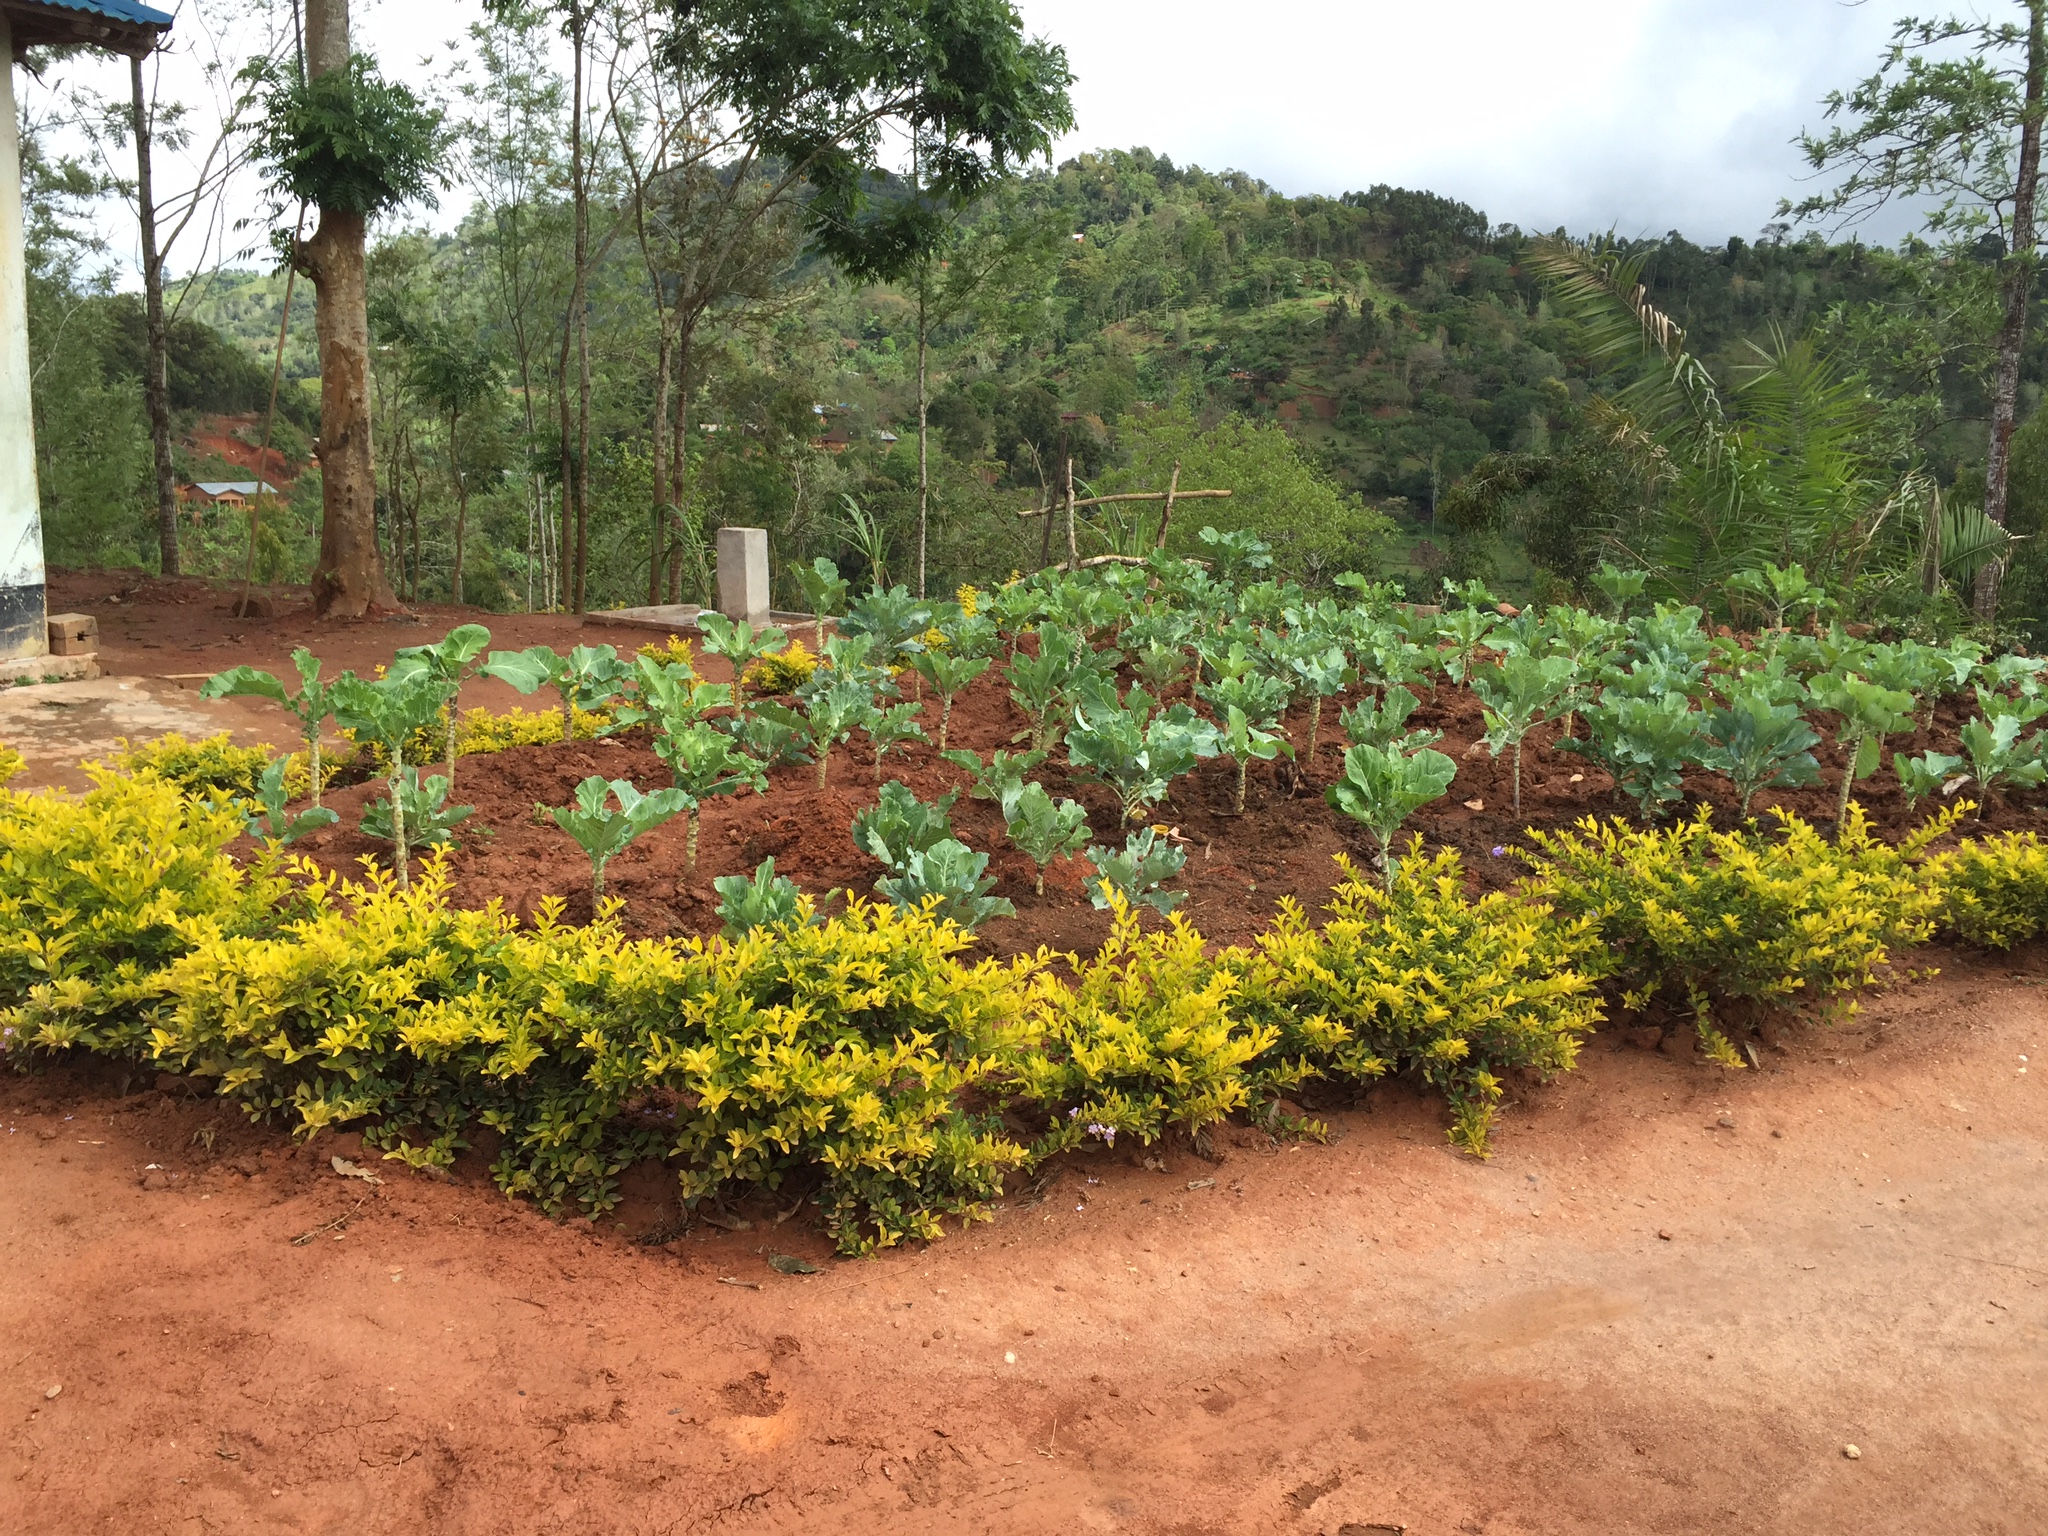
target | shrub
x=11, y=764
x=1419, y=976
x=761, y=900
x=782, y=671
x=1135, y=874
x=99, y=893
x=672, y=652
x=211, y=766
x=1145, y=1040
x=1994, y=893
x=1762, y=916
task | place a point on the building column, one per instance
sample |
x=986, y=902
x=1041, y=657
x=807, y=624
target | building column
x=23, y=615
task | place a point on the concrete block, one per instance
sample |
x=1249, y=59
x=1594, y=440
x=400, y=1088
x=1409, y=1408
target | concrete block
x=74, y=634
x=743, y=574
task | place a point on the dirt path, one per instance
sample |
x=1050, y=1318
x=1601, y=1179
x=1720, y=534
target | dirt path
x=1666, y=1306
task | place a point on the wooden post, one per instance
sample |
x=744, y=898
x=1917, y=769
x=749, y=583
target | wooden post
x=1166, y=517
x=1073, y=546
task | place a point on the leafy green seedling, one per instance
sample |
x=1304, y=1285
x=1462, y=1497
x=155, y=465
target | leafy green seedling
x=1321, y=672
x=1382, y=788
x=1039, y=685
x=1928, y=774
x=388, y=710
x=277, y=824
x=899, y=824
x=831, y=717
x=1781, y=591
x=1042, y=828
x=892, y=727
x=1516, y=693
x=1243, y=743
x=946, y=879
x=704, y=762
x=1645, y=743
x=1759, y=743
x=1135, y=748
x=584, y=679
x=601, y=831
x=1999, y=756
x=1138, y=871
x=1159, y=666
x=741, y=645
x=948, y=675
x=1869, y=713
x=1260, y=696
x=448, y=662
x=429, y=819
x=1467, y=629
x=1000, y=779
x=1238, y=553
x=892, y=616
x=310, y=706
x=668, y=695
x=825, y=591
x=1385, y=724
x=762, y=900
x=1620, y=587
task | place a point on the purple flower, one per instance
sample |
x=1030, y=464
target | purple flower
x=1498, y=850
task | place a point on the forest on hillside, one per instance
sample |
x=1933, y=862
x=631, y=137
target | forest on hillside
x=1386, y=381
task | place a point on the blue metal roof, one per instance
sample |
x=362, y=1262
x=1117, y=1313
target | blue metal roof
x=113, y=10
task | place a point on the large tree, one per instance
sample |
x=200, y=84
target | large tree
x=353, y=145
x=1951, y=122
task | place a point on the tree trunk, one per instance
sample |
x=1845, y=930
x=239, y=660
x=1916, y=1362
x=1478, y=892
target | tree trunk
x=2017, y=282
x=349, y=579
x=924, y=479
x=461, y=495
x=663, y=368
x=156, y=389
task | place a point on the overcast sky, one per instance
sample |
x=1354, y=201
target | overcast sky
x=1668, y=114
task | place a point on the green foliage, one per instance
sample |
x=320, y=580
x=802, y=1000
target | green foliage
x=1136, y=748
x=602, y=832
x=946, y=879
x=429, y=819
x=1382, y=787
x=899, y=825
x=1645, y=743
x=703, y=763
x=1517, y=692
x=1761, y=917
x=1040, y=684
x=1384, y=724
x=1421, y=977
x=278, y=825
x=948, y=675
x=1136, y=874
x=1243, y=743
x=310, y=706
x=1995, y=892
x=348, y=140
x=1998, y=754
x=1000, y=779
x=824, y=591
x=585, y=679
x=1928, y=774
x=447, y=661
x=761, y=900
x=830, y=716
x=1042, y=828
x=893, y=726
x=1758, y=744
x=210, y=767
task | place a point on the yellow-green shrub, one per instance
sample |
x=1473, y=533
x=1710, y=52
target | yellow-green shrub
x=214, y=766
x=675, y=651
x=783, y=672
x=846, y=1046
x=11, y=764
x=1995, y=892
x=1145, y=1038
x=1764, y=916
x=1421, y=976
x=482, y=731
x=99, y=893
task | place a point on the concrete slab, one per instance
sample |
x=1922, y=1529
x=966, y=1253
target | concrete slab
x=58, y=726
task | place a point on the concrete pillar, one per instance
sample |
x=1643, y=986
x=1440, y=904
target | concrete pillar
x=743, y=574
x=22, y=605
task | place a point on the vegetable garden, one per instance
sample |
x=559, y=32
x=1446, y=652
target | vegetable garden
x=1105, y=854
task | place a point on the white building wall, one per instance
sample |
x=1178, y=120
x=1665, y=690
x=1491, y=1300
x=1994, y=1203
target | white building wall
x=23, y=630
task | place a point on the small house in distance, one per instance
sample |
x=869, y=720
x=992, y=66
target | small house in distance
x=224, y=493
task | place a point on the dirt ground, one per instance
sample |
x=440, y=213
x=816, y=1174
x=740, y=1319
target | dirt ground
x=1668, y=1304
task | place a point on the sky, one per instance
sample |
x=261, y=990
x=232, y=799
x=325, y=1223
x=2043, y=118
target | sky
x=1664, y=115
